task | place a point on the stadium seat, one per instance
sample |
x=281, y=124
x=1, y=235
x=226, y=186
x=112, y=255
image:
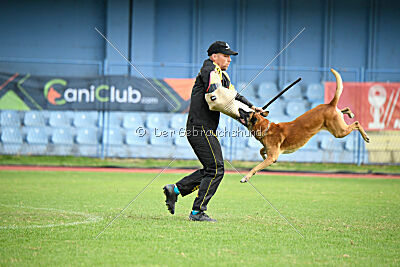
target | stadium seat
x=267, y=90
x=113, y=137
x=87, y=136
x=181, y=141
x=11, y=140
x=62, y=136
x=110, y=119
x=160, y=139
x=350, y=141
x=36, y=136
x=293, y=93
x=278, y=119
x=296, y=108
x=132, y=120
x=249, y=91
x=133, y=139
x=330, y=143
x=276, y=108
x=11, y=135
x=178, y=121
x=59, y=119
x=34, y=118
x=156, y=121
x=312, y=144
x=10, y=118
x=349, y=144
x=85, y=119
x=315, y=92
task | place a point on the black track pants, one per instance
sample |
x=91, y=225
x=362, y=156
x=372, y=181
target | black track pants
x=208, y=150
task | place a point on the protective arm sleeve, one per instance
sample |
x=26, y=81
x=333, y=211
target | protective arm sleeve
x=243, y=100
x=213, y=81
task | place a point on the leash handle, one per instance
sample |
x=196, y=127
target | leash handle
x=281, y=93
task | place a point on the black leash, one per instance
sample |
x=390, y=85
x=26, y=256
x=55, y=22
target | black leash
x=281, y=93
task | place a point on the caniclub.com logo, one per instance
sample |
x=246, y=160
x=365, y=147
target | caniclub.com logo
x=54, y=91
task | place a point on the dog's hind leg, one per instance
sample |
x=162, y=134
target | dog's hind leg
x=348, y=112
x=268, y=161
x=340, y=129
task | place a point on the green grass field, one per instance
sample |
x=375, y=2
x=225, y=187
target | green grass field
x=344, y=221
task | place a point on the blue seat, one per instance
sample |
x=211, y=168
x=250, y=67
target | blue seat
x=11, y=135
x=181, y=141
x=267, y=90
x=156, y=121
x=160, y=140
x=85, y=119
x=350, y=144
x=34, y=118
x=350, y=141
x=62, y=136
x=110, y=119
x=112, y=136
x=315, y=92
x=278, y=119
x=312, y=144
x=248, y=91
x=276, y=108
x=87, y=136
x=59, y=119
x=296, y=108
x=133, y=139
x=37, y=136
x=178, y=121
x=10, y=118
x=293, y=93
x=132, y=121
x=330, y=143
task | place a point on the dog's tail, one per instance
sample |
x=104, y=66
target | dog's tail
x=339, y=88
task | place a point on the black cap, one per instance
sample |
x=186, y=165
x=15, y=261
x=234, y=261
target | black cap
x=220, y=47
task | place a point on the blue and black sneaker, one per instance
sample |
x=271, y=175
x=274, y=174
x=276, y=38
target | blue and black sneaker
x=201, y=217
x=171, y=197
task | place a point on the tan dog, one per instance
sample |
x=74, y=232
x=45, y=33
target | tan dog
x=287, y=137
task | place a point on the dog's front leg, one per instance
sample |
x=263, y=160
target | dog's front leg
x=268, y=161
x=263, y=152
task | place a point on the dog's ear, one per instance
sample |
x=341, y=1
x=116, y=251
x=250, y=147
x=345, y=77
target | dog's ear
x=265, y=113
x=244, y=116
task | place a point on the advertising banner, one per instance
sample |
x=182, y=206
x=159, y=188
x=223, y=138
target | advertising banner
x=375, y=105
x=116, y=93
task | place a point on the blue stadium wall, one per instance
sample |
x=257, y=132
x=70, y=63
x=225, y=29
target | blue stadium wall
x=169, y=38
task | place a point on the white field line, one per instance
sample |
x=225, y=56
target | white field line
x=89, y=218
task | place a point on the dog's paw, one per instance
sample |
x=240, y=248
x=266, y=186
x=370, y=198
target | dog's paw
x=366, y=138
x=244, y=180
